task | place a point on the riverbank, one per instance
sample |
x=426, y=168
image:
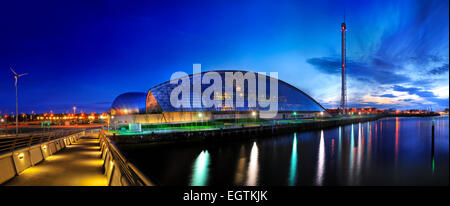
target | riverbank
x=388, y=151
x=248, y=131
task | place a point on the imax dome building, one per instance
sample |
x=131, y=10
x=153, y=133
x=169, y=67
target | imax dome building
x=155, y=105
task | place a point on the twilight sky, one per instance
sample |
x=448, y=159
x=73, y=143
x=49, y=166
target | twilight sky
x=85, y=53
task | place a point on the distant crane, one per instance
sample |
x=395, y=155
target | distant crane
x=16, y=78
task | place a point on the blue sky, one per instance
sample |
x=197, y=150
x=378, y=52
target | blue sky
x=85, y=53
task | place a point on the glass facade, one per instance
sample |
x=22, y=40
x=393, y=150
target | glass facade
x=158, y=98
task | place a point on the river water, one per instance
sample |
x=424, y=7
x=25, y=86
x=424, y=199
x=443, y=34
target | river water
x=389, y=151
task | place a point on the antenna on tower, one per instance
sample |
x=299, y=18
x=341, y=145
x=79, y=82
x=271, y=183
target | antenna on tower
x=344, y=14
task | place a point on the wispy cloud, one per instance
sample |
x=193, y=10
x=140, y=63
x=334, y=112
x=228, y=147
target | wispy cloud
x=375, y=70
x=388, y=95
x=439, y=70
x=409, y=59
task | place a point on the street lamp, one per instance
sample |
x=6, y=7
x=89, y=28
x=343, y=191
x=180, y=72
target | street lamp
x=2, y=120
x=109, y=122
x=200, y=115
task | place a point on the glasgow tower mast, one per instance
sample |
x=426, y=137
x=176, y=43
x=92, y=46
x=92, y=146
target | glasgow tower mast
x=344, y=81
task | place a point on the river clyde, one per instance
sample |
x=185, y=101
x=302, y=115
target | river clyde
x=390, y=151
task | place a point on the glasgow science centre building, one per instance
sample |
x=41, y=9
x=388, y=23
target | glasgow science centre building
x=155, y=107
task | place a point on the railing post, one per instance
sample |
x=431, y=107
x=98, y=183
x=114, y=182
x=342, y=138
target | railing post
x=13, y=146
x=49, y=136
x=31, y=140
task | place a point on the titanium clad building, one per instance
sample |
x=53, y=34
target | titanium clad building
x=155, y=106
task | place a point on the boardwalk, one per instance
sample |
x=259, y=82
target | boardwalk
x=79, y=164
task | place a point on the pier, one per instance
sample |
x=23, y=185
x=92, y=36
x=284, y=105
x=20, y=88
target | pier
x=65, y=158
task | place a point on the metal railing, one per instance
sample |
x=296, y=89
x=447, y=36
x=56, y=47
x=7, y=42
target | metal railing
x=10, y=143
x=134, y=176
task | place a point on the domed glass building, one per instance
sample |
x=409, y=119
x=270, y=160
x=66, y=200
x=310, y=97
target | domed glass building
x=155, y=106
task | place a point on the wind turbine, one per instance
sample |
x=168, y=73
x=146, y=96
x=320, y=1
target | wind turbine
x=16, y=78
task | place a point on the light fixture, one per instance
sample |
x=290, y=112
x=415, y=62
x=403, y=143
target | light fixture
x=253, y=113
x=200, y=114
x=44, y=147
x=20, y=156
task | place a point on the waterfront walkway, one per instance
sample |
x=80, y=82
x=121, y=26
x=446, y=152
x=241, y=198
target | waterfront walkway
x=79, y=164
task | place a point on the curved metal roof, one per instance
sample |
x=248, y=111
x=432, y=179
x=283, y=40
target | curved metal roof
x=156, y=92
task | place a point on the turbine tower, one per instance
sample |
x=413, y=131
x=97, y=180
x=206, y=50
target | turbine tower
x=16, y=78
x=344, y=81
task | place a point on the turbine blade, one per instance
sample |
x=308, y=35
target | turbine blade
x=13, y=71
x=23, y=74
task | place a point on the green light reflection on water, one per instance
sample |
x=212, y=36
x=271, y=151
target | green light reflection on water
x=432, y=163
x=293, y=170
x=200, y=169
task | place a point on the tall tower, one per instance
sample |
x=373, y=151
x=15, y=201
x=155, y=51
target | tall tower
x=344, y=81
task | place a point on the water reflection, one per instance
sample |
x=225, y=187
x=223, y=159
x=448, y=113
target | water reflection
x=239, y=176
x=252, y=171
x=369, y=144
x=366, y=155
x=397, y=124
x=359, y=154
x=320, y=161
x=200, y=169
x=293, y=169
x=432, y=146
x=350, y=162
x=432, y=165
x=339, y=164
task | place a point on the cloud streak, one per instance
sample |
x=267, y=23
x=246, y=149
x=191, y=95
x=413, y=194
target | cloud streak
x=375, y=71
x=410, y=56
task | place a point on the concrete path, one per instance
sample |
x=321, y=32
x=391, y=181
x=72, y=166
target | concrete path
x=79, y=164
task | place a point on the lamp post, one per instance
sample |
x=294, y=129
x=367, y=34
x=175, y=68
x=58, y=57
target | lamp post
x=112, y=117
x=200, y=115
x=109, y=122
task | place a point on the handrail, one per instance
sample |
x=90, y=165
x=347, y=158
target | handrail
x=134, y=176
x=14, y=142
